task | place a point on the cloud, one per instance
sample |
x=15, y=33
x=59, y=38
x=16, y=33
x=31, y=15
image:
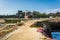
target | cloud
x=52, y=10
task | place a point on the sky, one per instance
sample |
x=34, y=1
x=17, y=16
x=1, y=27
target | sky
x=9, y=7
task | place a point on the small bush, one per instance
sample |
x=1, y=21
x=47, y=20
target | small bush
x=12, y=21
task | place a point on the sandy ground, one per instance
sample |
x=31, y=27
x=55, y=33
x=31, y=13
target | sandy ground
x=25, y=33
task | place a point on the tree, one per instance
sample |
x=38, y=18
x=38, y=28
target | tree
x=44, y=15
x=19, y=14
x=36, y=14
x=58, y=14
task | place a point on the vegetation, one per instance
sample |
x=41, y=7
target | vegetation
x=12, y=21
x=34, y=14
x=39, y=24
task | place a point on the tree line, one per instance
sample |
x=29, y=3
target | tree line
x=34, y=14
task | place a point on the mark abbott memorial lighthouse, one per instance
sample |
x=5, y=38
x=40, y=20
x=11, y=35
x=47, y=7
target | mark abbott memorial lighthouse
x=26, y=16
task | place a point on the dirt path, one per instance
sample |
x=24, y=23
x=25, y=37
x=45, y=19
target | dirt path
x=25, y=33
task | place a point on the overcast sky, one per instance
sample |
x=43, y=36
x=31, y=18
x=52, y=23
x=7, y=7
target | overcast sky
x=12, y=6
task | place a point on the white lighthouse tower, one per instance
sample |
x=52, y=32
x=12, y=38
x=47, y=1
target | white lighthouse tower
x=26, y=16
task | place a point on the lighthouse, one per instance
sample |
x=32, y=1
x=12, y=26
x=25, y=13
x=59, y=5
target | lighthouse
x=26, y=16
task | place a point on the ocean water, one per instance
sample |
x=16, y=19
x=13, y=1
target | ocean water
x=56, y=35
